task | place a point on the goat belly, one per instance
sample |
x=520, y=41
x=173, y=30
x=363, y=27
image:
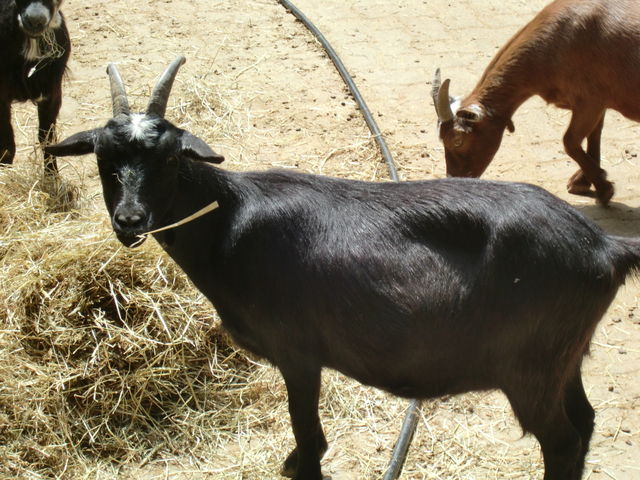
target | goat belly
x=417, y=367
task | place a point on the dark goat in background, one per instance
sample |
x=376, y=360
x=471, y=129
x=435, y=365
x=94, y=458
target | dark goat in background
x=35, y=49
x=581, y=55
x=419, y=288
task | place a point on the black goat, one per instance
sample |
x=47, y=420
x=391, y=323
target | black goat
x=36, y=47
x=419, y=288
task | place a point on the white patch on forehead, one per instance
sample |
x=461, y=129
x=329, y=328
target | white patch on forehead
x=142, y=128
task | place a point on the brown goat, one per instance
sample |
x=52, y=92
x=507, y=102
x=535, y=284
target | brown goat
x=581, y=55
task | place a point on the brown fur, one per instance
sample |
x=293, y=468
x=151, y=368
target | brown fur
x=581, y=55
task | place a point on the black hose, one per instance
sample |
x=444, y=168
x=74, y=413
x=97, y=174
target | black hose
x=411, y=416
x=399, y=454
x=371, y=123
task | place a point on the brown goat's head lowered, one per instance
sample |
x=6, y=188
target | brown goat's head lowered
x=565, y=55
x=471, y=136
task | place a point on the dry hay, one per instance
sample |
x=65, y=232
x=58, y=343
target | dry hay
x=103, y=351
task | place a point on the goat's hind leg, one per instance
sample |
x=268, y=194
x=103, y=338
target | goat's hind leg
x=303, y=388
x=581, y=414
x=547, y=419
x=7, y=142
x=585, y=120
x=578, y=183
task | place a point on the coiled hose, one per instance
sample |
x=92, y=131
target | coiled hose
x=411, y=416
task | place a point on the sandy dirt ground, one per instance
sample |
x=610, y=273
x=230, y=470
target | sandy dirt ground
x=283, y=105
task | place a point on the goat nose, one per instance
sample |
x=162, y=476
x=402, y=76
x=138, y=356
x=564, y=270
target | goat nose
x=34, y=22
x=129, y=220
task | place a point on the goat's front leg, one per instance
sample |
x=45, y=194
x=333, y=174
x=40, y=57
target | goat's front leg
x=578, y=183
x=48, y=110
x=303, y=388
x=7, y=142
x=585, y=120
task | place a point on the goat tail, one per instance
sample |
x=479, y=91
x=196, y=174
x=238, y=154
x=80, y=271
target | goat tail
x=626, y=259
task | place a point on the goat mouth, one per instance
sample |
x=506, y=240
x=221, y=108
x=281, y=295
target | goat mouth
x=130, y=240
x=34, y=33
x=131, y=237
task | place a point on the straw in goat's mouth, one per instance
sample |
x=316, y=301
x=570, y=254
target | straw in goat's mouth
x=203, y=211
x=45, y=49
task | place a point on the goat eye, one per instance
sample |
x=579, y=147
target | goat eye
x=457, y=142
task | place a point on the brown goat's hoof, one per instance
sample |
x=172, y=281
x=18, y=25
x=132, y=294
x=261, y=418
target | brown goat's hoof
x=604, y=192
x=579, y=185
x=580, y=189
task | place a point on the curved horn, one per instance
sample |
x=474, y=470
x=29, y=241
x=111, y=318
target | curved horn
x=435, y=88
x=118, y=94
x=160, y=95
x=441, y=99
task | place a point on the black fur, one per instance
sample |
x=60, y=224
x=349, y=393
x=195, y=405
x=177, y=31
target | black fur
x=418, y=288
x=17, y=86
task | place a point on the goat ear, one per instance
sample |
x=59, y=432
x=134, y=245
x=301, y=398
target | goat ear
x=470, y=114
x=77, y=144
x=197, y=149
x=510, y=126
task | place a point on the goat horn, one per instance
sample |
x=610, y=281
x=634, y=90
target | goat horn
x=440, y=93
x=435, y=88
x=118, y=94
x=160, y=95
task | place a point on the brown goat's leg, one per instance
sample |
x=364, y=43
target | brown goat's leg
x=7, y=143
x=303, y=388
x=584, y=121
x=578, y=183
x=48, y=110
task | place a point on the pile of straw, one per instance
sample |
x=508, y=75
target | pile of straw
x=103, y=351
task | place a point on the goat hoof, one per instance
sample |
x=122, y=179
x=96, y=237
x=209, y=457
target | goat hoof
x=604, y=192
x=579, y=185
x=290, y=464
x=579, y=189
